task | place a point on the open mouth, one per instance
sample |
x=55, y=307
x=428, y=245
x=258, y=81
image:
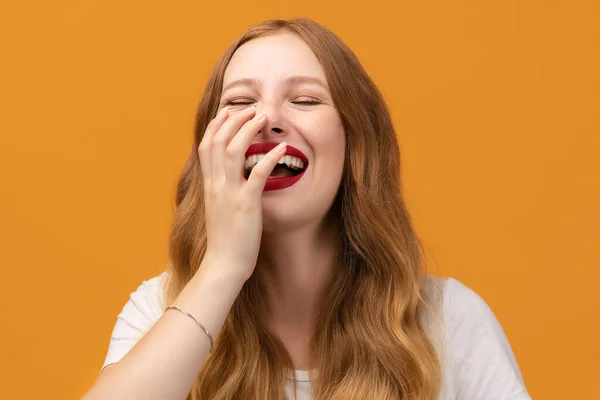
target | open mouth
x=287, y=166
x=289, y=169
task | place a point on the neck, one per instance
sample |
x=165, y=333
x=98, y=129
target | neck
x=296, y=267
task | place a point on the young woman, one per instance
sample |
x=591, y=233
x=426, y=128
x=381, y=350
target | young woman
x=300, y=261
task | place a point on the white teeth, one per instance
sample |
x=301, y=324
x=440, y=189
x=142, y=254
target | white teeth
x=251, y=161
x=290, y=161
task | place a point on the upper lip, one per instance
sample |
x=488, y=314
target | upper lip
x=265, y=147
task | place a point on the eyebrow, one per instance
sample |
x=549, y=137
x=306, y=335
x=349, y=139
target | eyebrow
x=296, y=79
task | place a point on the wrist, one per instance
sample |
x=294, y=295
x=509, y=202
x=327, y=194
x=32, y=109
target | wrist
x=220, y=272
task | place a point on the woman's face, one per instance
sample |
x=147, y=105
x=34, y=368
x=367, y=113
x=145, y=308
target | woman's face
x=280, y=75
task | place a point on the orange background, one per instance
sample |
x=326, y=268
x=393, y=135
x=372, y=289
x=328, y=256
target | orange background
x=496, y=105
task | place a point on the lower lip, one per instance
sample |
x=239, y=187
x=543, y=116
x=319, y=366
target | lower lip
x=282, y=182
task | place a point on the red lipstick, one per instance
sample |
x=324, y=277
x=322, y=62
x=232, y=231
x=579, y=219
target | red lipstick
x=283, y=181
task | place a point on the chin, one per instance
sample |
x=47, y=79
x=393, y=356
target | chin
x=281, y=215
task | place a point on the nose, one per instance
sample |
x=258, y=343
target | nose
x=276, y=125
x=273, y=129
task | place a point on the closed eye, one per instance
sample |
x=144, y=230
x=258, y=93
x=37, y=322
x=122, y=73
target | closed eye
x=235, y=103
x=307, y=102
x=246, y=102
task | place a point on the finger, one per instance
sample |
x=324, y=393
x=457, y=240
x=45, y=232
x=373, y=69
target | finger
x=222, y=138
x=260, y=173
x=235, y=153
x=205, y=143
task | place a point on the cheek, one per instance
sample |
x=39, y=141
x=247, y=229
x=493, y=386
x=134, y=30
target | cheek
x=328, y=143
x=324, y=133
x=324, y=130
x=333, y=139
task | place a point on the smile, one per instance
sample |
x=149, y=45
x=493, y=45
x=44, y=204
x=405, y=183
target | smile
x=289, y=169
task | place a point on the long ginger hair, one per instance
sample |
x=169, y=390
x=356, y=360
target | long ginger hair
x=370, y=341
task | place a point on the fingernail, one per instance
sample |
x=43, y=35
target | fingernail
x=258, y=116
x=281, y=147
x=250, y=108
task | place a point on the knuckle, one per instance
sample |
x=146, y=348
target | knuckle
x=212, y=122
x=218, y=184
x=212, y=192
x=203, y=148
x=232, y=151
x=203, y=143
x=217, y=142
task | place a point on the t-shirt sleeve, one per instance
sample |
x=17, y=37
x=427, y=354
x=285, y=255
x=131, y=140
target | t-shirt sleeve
x=139, y=314
x=484, y=366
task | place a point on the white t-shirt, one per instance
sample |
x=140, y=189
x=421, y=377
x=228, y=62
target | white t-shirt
x=477, y=360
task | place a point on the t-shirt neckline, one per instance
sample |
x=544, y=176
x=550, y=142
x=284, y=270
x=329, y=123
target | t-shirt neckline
x=301, y=375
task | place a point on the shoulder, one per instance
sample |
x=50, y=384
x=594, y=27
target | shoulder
x=455, y=297
x=456, y=303
x=462, y=300
x=478, y=358
x=146, y=303
x=143, y=308
x=152, y=285
x=469, y=317
x=150, y=290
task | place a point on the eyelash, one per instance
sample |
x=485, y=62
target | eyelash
x=308, y=102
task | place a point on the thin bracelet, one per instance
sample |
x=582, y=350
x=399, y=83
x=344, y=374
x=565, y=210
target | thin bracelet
x=201, y=326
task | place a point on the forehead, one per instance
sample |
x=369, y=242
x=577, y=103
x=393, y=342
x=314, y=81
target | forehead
x=273, y=57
